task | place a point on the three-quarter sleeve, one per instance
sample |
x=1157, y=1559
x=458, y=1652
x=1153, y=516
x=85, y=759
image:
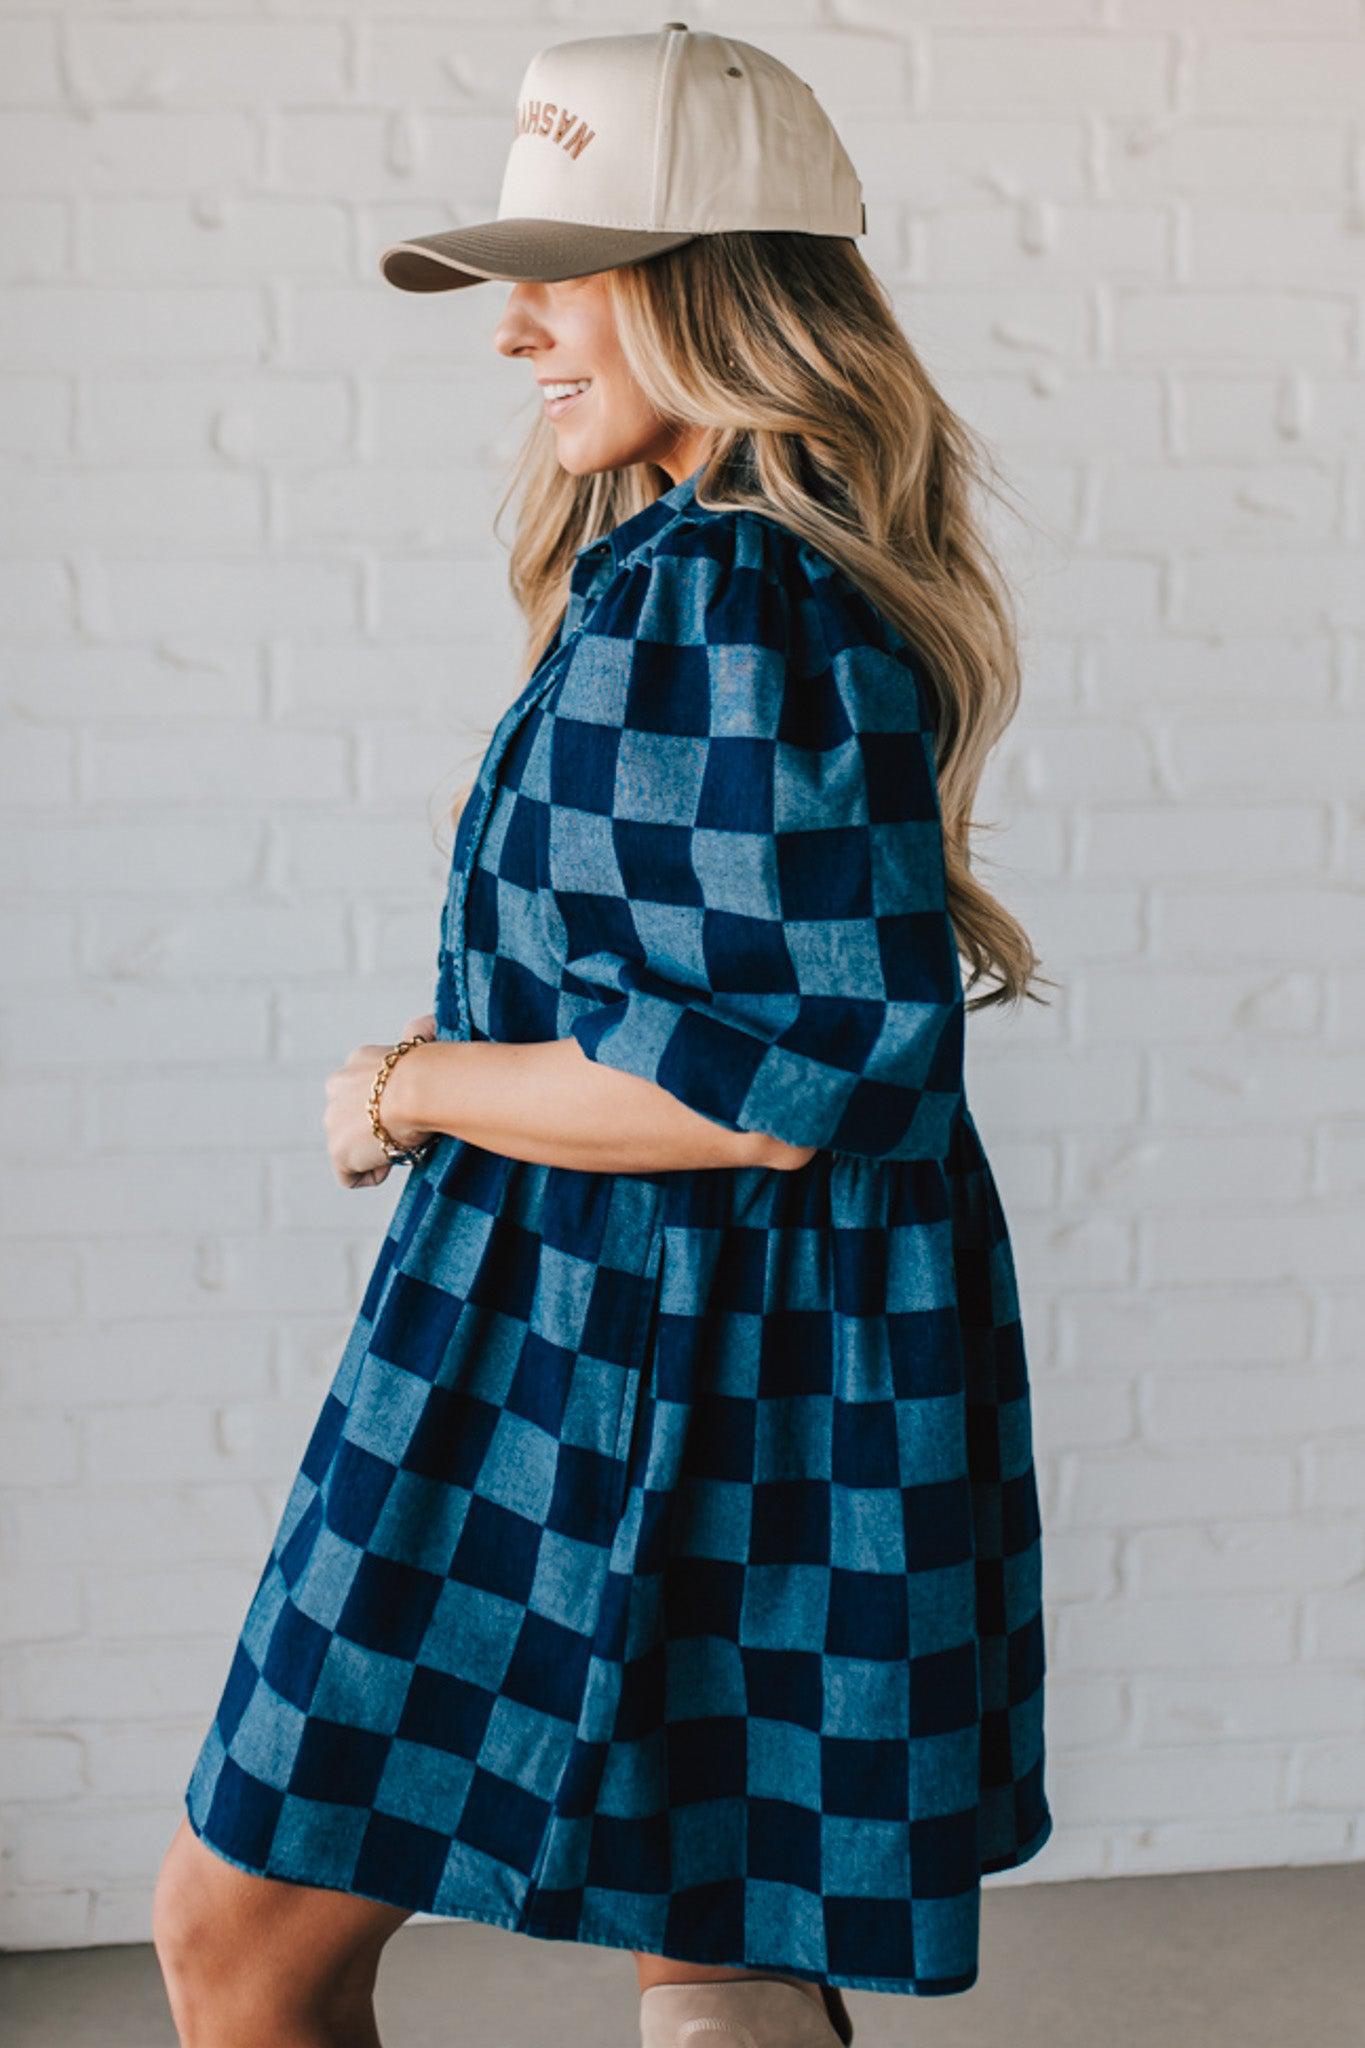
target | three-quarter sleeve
x=745, y=849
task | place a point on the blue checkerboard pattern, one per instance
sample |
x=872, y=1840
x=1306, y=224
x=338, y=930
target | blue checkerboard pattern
x=664, y=1568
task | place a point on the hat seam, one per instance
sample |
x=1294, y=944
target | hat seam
x=803, y=165
x=570, y=220
x=662, y=114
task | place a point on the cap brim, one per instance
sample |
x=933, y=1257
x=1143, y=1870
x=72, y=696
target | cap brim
x=537, y=251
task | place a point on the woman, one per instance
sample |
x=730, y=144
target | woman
x=663, y=1571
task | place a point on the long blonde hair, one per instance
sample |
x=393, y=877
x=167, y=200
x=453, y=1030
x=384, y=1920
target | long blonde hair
x=823, y=417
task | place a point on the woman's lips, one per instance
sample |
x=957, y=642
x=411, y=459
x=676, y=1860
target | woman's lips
x=555, y=406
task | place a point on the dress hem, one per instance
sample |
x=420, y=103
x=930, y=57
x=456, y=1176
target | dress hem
x=583, y=1932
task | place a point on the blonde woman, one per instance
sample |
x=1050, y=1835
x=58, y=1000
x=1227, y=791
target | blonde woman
x=664, y=1569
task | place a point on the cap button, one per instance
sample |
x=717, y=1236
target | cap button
x=675, y=24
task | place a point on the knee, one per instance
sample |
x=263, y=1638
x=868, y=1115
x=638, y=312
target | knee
x=190, y=1928
x=211, y=1929
x=242, y=1955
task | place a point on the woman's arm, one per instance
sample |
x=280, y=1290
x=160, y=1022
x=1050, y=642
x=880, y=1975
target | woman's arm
x=551, y=1104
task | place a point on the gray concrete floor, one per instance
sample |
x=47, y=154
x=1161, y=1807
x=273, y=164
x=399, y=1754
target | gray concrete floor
x=1230, y=1959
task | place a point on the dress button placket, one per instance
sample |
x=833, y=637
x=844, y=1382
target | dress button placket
x=586, y=578
x=452, y=923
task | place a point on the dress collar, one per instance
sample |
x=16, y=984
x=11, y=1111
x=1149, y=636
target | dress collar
x=641, y=527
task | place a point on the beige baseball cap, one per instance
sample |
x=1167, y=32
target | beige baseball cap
x=624, y=146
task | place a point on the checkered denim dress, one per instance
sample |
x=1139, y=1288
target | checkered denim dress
x=664, y=1568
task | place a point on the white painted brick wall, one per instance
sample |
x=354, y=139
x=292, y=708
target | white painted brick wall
x=255, y=629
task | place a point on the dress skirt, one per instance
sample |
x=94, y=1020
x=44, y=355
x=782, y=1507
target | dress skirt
x=691, y=1608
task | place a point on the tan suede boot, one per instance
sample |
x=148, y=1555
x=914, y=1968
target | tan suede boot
x=740, y=2012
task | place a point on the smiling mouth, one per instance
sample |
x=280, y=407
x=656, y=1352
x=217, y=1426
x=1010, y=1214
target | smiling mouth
x=555, y=406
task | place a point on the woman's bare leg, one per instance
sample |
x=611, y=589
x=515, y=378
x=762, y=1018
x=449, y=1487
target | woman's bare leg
x=250, y=1961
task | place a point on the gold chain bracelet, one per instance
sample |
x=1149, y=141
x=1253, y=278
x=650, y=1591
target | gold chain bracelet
x=391, y=1150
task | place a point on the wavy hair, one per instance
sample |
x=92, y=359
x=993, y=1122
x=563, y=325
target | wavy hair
x=821, y=416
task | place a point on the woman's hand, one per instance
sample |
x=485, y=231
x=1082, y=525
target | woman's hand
x=358, y=1158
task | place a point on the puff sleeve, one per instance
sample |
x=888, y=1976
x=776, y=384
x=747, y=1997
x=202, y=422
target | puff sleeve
x=745, y=849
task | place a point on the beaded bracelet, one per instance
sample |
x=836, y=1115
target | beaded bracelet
x=415, y=1153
